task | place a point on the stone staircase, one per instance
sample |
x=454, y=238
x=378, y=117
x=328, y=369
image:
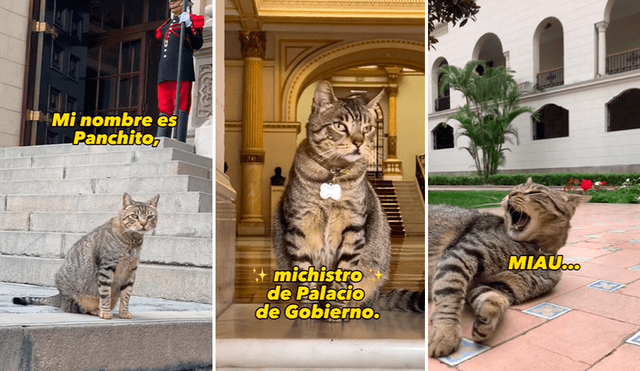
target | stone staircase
x=52, y=195
x=387, y=195
x=411, y=206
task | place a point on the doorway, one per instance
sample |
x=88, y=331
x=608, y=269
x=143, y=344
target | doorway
x=95, y=58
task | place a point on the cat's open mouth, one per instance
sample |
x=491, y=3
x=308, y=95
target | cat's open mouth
x=519, y=219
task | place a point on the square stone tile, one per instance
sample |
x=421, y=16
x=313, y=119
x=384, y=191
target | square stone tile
x=513, y=324
x=620, y=258
x=635, y=268
x=634, y=339
x=612, y=305
x=605, y=272
x=632, y=289
x=624, y=358
x=522, y=355
x=568, y=283
x=546, y=310
x=467, y=350
x=611, y=249
x=606, y=286
x=434, y=364
x=581, y=336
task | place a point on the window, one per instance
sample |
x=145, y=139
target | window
x=623, y=111
x=443, y=102
x=442, y=136
x=553, y=122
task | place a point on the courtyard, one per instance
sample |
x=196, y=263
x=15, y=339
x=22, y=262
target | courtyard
x=590, y=321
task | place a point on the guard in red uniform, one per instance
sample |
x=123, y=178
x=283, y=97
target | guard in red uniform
x=169, y=33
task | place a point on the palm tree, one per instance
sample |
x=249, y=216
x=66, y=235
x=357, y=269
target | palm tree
x=491, y=106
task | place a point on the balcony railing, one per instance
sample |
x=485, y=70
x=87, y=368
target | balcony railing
x=443, y=104
x=550, y=78
x=625, y=61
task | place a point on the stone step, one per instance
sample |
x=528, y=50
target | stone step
x=163, y=250
x=138, y=170
x=161, y=335
x=64, y=149
x=197, y=225
x=105, y=171
x=169, y=202
x=167, y=184
x=411, y=206
x=156, y=281
x=105, y=158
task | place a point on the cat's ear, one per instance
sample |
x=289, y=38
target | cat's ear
x=154, y=201
x=372, y=103
x=574, y=200
x=529, y=181
x=126, y=201
x=323, y=98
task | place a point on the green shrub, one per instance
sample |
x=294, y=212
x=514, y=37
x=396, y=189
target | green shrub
x=550, y=179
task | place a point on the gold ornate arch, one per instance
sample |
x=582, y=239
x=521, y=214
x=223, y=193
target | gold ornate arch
x=340, y=56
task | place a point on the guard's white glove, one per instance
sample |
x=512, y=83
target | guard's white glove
x=184, y=17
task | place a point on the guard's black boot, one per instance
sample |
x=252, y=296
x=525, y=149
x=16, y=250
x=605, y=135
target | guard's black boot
x=181, y=130
x=163, y=131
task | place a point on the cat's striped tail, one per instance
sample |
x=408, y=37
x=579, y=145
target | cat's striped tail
x=401, y=300
x=51, y=300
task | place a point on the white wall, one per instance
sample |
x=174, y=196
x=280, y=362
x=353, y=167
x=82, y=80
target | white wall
x=13, y=49
x=589, y=145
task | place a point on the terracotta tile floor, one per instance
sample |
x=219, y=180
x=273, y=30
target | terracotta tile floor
x=601, y=328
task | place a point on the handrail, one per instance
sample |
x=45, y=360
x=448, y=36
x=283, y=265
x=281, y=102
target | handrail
x=550, y=78
x=623, y=61
x=420, y=172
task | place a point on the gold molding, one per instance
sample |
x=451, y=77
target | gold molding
x=295, y=79
x=359, y=9
x=253, y=44
x=287, y=63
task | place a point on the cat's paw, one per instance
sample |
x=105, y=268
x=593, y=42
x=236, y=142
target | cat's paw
x=444, y=339
x=124, y=315
x=340, y=305
x=488, y=314
x=106, y=315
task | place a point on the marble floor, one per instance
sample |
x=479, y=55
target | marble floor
x=590, y=321
x=255, y=264
x=395, y=339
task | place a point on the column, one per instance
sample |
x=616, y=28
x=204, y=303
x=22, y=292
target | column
x=392, y=166
x=602, y=47
x=226, y=216
x=252, y=153
x=506, y=60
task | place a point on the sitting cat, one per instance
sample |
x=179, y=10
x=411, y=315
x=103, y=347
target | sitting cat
x=100, y=268
x=329, y=214
x=469, y=255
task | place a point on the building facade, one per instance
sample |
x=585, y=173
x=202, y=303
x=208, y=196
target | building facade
x=95, y=58
x=578, y=64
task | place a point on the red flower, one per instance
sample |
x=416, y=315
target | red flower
x=603, y=183
x=586, y=185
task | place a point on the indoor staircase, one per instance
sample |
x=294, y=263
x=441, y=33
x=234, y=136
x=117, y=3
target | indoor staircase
x=411, y=206
x=52, y=195
x=387, y=195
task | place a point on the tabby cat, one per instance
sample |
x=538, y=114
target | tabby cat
x=469, y=256
x=100, y=268
x=329, y=214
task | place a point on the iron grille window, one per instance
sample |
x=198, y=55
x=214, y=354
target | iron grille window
x=623, y=111
x=442, y=136
x=443, y=101
x=553, y=122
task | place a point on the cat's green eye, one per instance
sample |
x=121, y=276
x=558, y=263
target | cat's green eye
x=134, y=216
x=340, y=126
x=367, y=129
x=151, y=216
